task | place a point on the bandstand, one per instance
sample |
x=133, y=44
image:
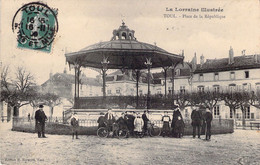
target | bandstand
x=123, y=52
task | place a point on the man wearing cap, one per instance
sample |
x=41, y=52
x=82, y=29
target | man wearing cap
x=40, y=119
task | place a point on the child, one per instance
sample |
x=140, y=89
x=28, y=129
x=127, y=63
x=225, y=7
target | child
x=179, y=127
x=138, y=123
x=166, y=124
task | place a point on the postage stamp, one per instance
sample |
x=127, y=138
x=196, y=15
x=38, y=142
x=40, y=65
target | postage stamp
x=36, y=25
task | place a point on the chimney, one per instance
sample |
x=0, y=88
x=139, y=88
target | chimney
x=243, y=52
x=202, y=59
x=231, y=56
x=194, y=62
x=256, y=58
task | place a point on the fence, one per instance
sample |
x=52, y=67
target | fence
x=89, y=126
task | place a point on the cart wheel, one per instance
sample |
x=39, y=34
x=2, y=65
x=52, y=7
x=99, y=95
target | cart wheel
x=102, y=132
x=122, y=133
x=155, y=131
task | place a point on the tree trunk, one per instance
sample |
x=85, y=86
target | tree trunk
x=33, y=112
x=234, y=117
x=243, y=118
x=16, y=111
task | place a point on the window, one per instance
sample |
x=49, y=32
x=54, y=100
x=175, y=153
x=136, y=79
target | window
x=182, y=89
x=216, y=88
x=247, y=113
x=216, y=76
x=232, y=75
x=109, y=91
x=118, y=91
x=201, y=78
x=216, y=111
x=200, y=88
x=170, y=89
x=257, y=87
x=232, y=87
x=246, y=74
x=245, y=87
x=159, y=91
x=177, y=72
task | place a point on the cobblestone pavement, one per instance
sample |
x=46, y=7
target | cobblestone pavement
x=241, y=147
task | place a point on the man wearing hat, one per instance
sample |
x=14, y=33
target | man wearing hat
x=40, y=119
x=74, y=121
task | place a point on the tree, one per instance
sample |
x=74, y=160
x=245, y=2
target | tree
x=19, y=91
x=245, y=100
x=183, y=100
x=232, y=100
x=51, y=100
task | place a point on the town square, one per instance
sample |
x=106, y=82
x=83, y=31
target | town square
x=110, y=83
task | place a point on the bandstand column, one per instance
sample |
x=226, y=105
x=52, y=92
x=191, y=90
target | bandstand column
x=104, y=69
x=77, y=81
x=137, y=88
x=148, y=63
x=165, y=82
x=172, y=79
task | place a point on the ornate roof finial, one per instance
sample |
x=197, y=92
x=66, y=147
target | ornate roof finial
x=123, y=23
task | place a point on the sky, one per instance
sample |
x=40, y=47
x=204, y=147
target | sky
x=86, y=22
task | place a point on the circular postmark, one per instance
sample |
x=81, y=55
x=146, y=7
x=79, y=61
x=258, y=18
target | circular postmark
x=36, y=25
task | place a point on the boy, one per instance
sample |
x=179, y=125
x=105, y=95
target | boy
x=166, y=124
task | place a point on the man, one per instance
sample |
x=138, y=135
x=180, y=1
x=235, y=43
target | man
x=145, y=119
x=208, y=118
x=130, y=122
x=101, y=120
x=40, y=119
x=196, y=118
x=110, y=119
x=176, y=114
x=74, y=125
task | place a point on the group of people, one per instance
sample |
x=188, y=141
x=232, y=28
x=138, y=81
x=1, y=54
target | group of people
x=201, y=120
x=137, y=123
x=134, y=122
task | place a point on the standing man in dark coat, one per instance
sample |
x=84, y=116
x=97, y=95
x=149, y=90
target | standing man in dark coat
x=176, y=114
x=40, y=119
x=208, y=118
x=196, y=118
x=145, y=119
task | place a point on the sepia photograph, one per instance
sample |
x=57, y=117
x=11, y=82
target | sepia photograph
x=130, y=82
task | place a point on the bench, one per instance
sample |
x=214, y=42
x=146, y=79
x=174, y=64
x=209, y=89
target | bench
x=256, y=124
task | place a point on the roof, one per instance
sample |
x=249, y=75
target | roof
x=70, y=79
x=123, y=53
x=240, y=62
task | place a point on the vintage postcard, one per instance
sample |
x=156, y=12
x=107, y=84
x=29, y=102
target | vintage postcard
x=130, y=82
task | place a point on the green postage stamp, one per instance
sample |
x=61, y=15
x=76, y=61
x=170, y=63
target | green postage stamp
x=36, y=25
